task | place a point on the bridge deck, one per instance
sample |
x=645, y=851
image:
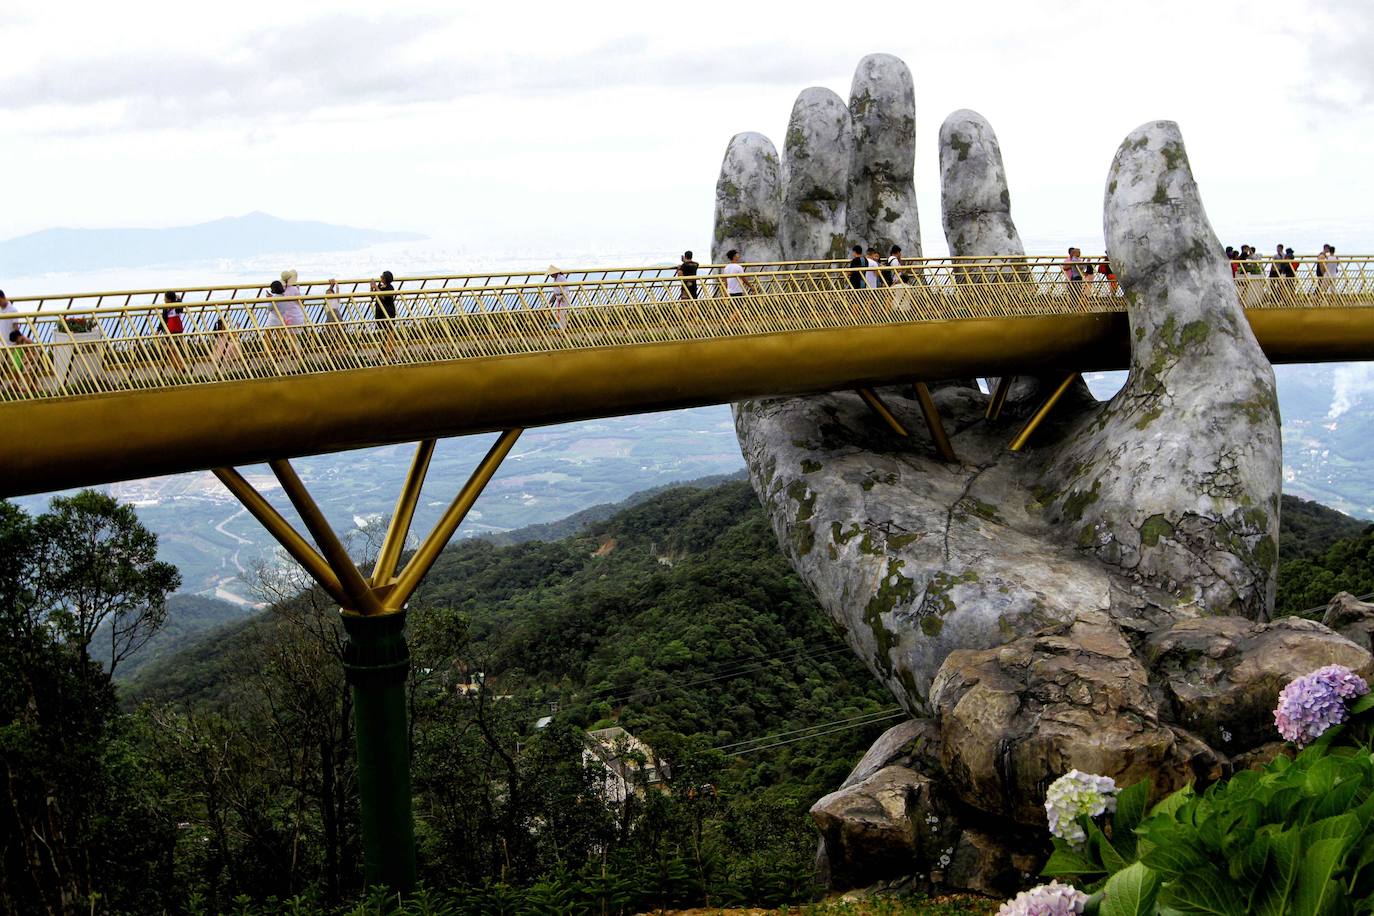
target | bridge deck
x=469, y=354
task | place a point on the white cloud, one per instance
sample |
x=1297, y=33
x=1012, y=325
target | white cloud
x=1352, y=382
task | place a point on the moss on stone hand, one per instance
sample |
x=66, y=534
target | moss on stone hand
x=1154, y=528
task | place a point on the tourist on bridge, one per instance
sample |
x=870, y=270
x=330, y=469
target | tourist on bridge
x=384, y=308
x=1328, y=268
x=286, y=312
x=333, y=330
x=12, y=337
x=874, y=277
x=736, y=283
x=559, y=297
x=172, y=326
x=688, y=268
x=1075, y=271
x=857, y=265
x=1276, y=264
x=290, y=289
x=897, y=279
x=1105, y=269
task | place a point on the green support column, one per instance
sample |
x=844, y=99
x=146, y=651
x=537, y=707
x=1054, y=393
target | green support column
x=377, y=660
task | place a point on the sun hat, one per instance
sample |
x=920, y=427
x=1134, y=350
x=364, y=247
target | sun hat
x=288, y=276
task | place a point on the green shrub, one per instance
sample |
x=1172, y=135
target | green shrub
x=1291, y=838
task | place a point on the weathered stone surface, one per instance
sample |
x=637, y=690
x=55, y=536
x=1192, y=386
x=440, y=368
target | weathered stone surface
x=1013, y=719
x=1352, y=618
x=975, y=200
x=748, y=200
x=1222, y=675
x=903, y=743
x=912, y=558
x=1091, y=602
x=1176, y=480
x=815, y=172
x=882, y=192
x=880, y=827
x=986, y=863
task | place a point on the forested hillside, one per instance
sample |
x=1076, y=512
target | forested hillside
x=604, y=603
x=677, y=614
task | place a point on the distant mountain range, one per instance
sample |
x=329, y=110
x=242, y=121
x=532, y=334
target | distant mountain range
x=254, y=235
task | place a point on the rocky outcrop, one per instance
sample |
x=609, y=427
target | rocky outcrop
x=815, y=171
x=882, y=191
x=1352, y=618
x=748, y=200
x=1097, y=601
x=1220, y=675
x=1073, y=696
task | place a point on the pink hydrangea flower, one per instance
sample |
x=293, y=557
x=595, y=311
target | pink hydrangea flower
x=1053, y=899
x=1311, y=704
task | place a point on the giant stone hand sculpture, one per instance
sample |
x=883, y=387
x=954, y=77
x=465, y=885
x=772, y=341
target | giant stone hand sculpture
x=1098, y=601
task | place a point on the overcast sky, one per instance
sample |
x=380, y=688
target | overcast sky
x=543, y=124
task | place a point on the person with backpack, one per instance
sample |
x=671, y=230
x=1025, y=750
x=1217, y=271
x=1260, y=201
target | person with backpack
x=897, y=278
x=688, y=268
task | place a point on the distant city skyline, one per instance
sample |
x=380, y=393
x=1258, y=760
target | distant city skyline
x=539, y=127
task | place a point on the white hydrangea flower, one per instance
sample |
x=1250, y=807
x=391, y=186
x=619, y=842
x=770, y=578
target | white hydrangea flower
x=1053, y=899
x=1077, y=793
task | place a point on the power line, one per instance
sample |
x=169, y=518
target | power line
x=792, y=656
x=865, y=715
x=841, y=728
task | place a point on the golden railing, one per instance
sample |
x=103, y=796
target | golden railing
x=106, y=342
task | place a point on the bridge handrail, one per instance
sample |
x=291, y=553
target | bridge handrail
x=241, y=338
x=80, y=301
x=66, y=301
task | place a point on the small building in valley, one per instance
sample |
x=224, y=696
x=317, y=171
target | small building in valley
x=628, y=765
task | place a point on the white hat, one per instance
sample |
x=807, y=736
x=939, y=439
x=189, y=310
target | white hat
x=288, y=276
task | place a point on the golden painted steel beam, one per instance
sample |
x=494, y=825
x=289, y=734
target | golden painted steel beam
x=438, y=539
x=390, y=553
x=358, y=594
x=1022, y=437
x=103, y=437
x=999, y=397
x=936, y=425
x=295, y=545
x=876, y=405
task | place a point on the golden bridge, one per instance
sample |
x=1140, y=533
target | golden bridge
x=103, y=391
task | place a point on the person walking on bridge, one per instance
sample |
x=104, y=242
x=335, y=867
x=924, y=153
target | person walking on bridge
x=172, y=325
x=857, y=265
x=874, y=277
x=384, y=309
x=897, y=279
x=12, y=337
x=736, y=283
x=688, y=268
x=1074, y=268
x=559, y=298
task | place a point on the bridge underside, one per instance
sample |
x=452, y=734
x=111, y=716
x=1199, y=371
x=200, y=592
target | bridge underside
x=76, y=441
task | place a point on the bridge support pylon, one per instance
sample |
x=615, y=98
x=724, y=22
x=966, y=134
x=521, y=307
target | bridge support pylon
x=938, y=436
x=1023, y=436
x=376, y=658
